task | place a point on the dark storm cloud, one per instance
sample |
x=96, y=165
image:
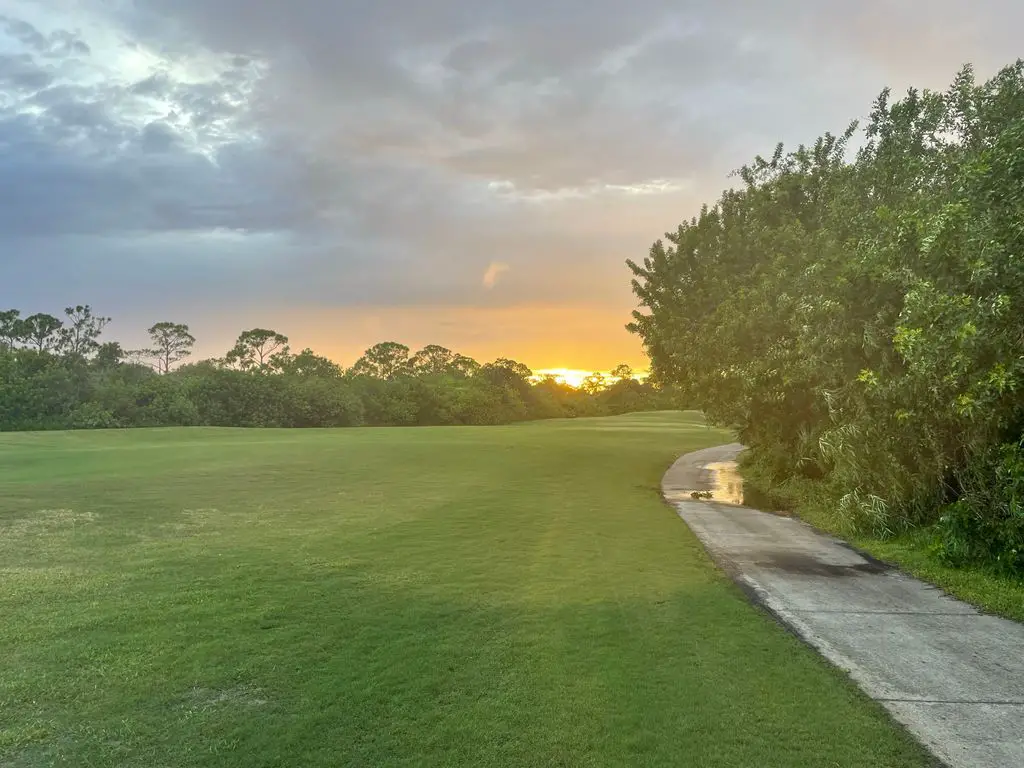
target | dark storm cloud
x=485, y=89
x=24, y=32
x=83, y=159
x=389, y=153
x=560, y=94
x=59, y=43
x=72, y=170
x=20, y=74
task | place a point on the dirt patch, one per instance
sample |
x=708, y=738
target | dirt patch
x=212, y=698
x=46, y=521
x=193, y=522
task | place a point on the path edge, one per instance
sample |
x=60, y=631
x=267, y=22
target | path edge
x=761, y=598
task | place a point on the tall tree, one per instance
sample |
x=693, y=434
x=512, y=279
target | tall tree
x=432, y=360
x=387, y=360
x=12, y=328
x=594, y=383
x=435, y=360
x=172, y=343
x=508, y=373
x=622, y=372
x=308, y=364
x=513, y=367
x=109, y=355
x=79, y=336
x=464, y=366
x=258, y=349
x=42, y=331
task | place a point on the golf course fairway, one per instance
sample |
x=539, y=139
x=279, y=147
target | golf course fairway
x=497, y=596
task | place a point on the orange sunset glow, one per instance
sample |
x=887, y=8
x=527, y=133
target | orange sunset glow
x=575, y=377
x=571, y=376
x=579, y=337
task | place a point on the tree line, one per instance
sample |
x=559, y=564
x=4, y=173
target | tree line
x=61, y=374
x=855, y=309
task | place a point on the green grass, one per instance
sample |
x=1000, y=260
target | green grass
x=373, y=597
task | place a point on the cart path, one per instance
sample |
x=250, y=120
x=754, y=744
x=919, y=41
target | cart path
x=951, y=674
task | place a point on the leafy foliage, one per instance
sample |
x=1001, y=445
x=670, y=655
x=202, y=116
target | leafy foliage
x=986, y=524
x=40, y=330
x=387, y=360
x=79, y=336
x=258, y=349
x=11, y=328
x=172, y=343
x=855, y=315
x=54, y=376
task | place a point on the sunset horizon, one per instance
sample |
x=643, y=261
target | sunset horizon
x=343, y=337
x=474, y=176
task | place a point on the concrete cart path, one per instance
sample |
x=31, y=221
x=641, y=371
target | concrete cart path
x=953, y=676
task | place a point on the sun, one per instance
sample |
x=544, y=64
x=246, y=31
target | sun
x=572, y=376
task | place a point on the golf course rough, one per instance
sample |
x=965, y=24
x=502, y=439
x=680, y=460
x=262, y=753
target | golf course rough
x=495, y=596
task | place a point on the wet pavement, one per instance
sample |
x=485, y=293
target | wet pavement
x=952, y=675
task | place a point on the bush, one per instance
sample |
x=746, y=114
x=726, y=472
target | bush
x=855, y=316
x=323, y=402
x=70, y=390
x=91, y=416
x=986, y=524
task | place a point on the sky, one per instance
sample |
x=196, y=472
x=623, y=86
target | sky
x=471, y=173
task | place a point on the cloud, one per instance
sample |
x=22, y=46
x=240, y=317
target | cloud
x=380, y=158
x=493, y=272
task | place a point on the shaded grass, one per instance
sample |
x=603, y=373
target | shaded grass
x=911, y=551
x=487, y=597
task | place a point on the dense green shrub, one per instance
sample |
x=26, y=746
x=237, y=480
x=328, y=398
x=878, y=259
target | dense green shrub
x=856, y=314
x=986, y=524
x=55, y=390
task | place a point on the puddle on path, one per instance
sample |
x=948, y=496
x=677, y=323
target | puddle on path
x=726, y=483
x=725, y=486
